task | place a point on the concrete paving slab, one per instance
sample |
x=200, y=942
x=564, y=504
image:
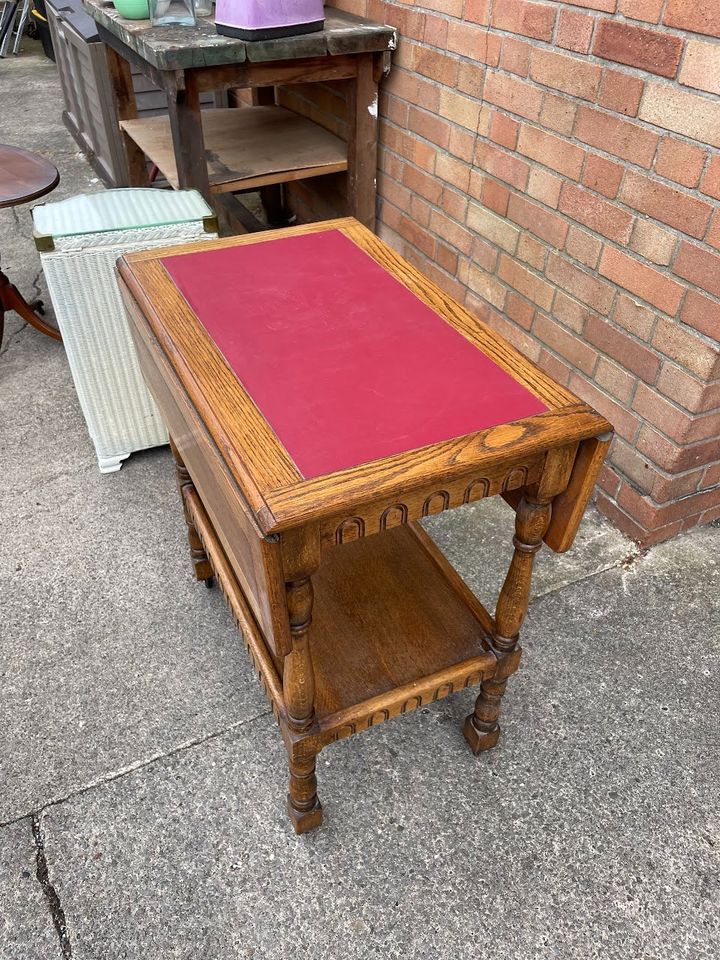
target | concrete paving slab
x=593, y=831
x=43, y=432
x=111, y=652
x=26, y=926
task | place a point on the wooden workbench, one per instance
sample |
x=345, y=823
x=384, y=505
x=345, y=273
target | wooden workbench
x=227, y=151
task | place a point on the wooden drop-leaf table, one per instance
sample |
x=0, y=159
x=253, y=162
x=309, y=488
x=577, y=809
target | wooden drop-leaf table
x=322, y=397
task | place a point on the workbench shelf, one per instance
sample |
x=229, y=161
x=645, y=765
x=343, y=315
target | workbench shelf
x=246, y=148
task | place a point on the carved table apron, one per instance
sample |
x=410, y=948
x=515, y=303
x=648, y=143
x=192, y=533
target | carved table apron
x=322, y=397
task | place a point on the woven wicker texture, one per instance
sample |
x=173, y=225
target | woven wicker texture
x=120, y=413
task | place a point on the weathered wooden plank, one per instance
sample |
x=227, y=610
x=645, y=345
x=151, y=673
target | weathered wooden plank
x=350, y=34
x=243, y=149
x=184, y=48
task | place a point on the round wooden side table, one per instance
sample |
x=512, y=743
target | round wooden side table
x=24, y=176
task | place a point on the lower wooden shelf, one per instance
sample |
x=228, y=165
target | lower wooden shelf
x=247, y=147
x=394, y=627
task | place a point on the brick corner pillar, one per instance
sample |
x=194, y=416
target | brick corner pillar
x=663, y=477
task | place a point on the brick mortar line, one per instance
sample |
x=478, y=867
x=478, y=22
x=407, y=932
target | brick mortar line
x=688, y=413
x=602, y=390
x=432, y=113
x=576, y=101
x=664, y=503
x=711, y=151
x=631, y=211
x=530, y=332
x=664, y=29
x=690, y=193
x=673, y=476
x=550, y=47
x=550, y=313
x=582, y=267
x=662, y=269
x=467, y=258
x=611, y=499
x=601, y=353
x=567, y=5
x=615, y=201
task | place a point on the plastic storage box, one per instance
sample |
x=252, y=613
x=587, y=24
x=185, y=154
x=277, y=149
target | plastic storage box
x=80, y=240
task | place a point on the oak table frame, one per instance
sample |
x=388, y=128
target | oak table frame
x=302, y=562
x=186, y=62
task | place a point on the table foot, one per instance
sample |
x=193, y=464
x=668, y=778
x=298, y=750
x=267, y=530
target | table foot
x=273, y=201
x=111, y=464
x=480, y=740
x=304, y=808
x=12, y=299
x=481, y=728
x=304, y=821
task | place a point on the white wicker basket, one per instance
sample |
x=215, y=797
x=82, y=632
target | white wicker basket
x=80, y=240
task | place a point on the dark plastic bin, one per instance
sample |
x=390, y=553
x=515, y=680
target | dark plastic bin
x=39, y=15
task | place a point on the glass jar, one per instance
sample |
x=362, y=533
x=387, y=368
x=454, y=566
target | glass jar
x=166, y=12
x=203, y=8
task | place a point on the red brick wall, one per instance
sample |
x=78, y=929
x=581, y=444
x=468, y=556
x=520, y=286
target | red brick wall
x=556, y=167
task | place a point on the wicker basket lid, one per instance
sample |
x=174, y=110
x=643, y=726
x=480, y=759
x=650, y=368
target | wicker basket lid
x=123, y=209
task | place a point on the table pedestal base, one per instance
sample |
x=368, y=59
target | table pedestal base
x=12, y=299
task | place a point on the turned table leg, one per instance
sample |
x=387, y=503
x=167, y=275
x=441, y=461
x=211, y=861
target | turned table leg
x=201, y=565
x=533, y=517
x=304, y=808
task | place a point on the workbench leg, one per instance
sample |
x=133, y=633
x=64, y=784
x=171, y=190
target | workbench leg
x=273, y=200
x=136, y=173
x=481, y=728
x=303, y=805
x=362, y=142
x=183, y=101
x=201, y=565
x=272, y=196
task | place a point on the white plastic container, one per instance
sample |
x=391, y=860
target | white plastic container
x=80, y=240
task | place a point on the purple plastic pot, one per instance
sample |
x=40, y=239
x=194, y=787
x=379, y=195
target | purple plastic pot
x=266, y=19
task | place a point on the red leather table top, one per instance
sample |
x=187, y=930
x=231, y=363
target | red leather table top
x=343, y=361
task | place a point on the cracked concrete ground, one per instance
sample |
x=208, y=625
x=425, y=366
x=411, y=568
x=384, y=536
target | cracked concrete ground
x=142, y=777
